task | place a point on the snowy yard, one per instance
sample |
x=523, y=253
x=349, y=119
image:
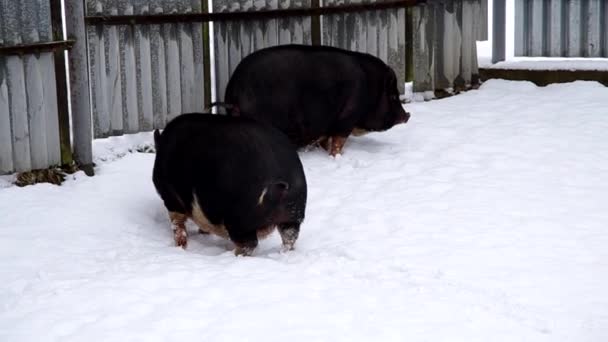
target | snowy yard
x=485, y=218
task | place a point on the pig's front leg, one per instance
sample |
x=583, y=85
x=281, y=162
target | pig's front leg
x=178, y=224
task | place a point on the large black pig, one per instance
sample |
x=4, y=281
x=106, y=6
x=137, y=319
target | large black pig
x=316, y=94
x=234, y=177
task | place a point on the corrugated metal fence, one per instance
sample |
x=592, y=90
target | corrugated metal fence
x=561, y=28
x=445, y=36
x=380, y=33
x=29, y=128
x=443, y=43
x=141, y=76
x=235, y=40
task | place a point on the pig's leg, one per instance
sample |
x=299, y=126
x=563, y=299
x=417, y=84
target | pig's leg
x=178, y=223
x=289, y=234
x=245, y=241
x=337, y=144
x=341, y=130
x=333, y=144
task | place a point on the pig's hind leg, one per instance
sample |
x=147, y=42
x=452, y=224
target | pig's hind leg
x=177, y=214
x=245, y=240
x=289, y=234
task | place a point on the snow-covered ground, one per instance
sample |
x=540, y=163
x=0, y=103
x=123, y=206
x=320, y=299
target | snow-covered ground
x=485, y=218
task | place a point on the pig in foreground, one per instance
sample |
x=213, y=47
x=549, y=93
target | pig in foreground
x=234, y=177
x=316, y=94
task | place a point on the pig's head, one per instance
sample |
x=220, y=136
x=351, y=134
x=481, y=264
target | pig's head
x=388, y=107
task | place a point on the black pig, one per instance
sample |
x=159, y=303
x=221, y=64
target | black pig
x=315, y=94
x=233, y=176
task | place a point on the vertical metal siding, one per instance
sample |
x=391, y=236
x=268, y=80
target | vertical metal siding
x=423, y=47
x=482, y=28
x=128, y=71
x=144, y=75
x=561, y=28
x=143, y=61
x=29, y=128
x=235, y=40
x=445, y=34
x=379, y=33
x=445, y=43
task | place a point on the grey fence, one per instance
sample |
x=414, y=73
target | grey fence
x=235, y=40
x=141, y=76
x=380, y=33
x=561, y=28
x=445, y=36
x=29, y=126
x=133, y=69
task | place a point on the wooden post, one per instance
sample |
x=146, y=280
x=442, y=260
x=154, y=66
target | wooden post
x=79, y=86
x=62, y=86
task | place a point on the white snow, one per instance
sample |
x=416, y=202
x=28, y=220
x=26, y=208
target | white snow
x=114, y=148
x=6, y=181
x=482, y=219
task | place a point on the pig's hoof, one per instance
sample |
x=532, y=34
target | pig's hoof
x=243, y=251
x=181, y=238
x=287, y=248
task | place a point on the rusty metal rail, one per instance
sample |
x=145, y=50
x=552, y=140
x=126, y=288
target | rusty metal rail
x=250, y=15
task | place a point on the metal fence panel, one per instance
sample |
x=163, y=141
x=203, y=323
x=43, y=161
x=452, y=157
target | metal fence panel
x=423, y=47
x=482, y=14
x=445, y=43
x=380, y=33
x=574, y=22
x=561, y=28
x=605, y=29
x=144, y=75
x=29, y=128
x=592, y=30
x=235, y=40
x=6, y=144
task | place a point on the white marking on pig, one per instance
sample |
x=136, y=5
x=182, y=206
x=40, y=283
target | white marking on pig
x=261, y=198
x=201, y=220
